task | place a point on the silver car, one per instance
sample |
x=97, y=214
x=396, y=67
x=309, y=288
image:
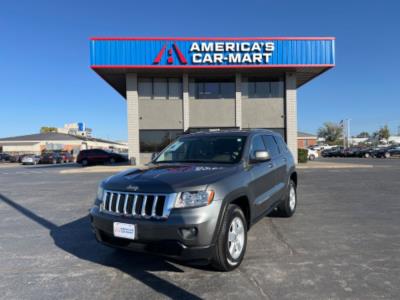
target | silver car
x=30, y=160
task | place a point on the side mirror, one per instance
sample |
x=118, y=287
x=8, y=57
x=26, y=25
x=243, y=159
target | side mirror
x=261, y=156
x=154, y=155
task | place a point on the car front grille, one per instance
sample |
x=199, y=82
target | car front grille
x=140, y=205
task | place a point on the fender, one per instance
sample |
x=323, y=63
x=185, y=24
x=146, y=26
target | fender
x=241, y=192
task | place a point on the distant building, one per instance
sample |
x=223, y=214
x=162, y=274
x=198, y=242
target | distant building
x=356, y=141
x=36, y=143
x=374, y=140
x=394, y=139
x=78, y=128
x=305, y=140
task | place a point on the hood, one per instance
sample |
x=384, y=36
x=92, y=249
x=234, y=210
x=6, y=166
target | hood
x=169, y=178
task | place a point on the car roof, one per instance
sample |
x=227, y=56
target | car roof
x=234, y=132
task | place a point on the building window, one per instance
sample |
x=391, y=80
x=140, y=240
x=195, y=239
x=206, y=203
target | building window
x=212, y=89
x=156, y=140
x=159, y=88
x=261, y=88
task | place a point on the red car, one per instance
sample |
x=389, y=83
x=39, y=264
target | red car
x=99, y=156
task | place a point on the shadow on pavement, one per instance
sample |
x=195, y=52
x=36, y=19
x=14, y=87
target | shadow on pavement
x=77, y=239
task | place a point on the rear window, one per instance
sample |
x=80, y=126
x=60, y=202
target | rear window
x=281, y=143
x=271, y=144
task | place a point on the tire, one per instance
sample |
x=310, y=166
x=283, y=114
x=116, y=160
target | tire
x=84, y=163
x=287, y=207
x=386, y=155
x=226, y=243
x=311, y=157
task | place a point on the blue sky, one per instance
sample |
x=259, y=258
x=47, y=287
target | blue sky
x=46, y=80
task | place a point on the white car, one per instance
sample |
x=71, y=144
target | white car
x=312, y=154
x=30, y=160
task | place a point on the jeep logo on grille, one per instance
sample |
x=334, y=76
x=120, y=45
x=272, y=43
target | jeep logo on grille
x=132, y=188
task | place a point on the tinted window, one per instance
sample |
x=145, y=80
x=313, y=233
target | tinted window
x=207, y=149
x=257, y=144
x=159, y=88
x=272, y=146
x=157, y=140
x=98, y=152
x=281, y=143
x=212, y=89
x=262, y=88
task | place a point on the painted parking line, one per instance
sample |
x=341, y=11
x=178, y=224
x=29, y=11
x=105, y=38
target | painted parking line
x=24, y=172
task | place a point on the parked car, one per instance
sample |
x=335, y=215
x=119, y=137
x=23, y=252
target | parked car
x=333, y=152
x=395, y=151
x=386, y=152
x=352, y=152
x=66, y=157
x=327, y=147
x=4, y=157
x=312, y=154
x=99, y=156
x=366, y=152
x=315, y=147
x=199, y=197
x=51, y=158
x=56, y=157
x=30, y=159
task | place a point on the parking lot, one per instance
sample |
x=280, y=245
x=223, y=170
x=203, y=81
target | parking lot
x=343, y=242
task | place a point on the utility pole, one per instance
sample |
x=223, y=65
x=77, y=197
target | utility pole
x=342, y=125
x=348, y=132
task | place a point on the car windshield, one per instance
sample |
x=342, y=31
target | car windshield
x=204, y=149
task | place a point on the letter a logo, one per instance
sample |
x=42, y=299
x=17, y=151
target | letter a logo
x=170, y=59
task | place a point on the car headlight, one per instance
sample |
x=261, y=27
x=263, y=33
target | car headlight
x=100, y=192
x=194, y=199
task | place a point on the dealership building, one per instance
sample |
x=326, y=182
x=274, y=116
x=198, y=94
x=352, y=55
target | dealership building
x=174, y=86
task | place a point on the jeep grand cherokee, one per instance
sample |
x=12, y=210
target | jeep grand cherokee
x=199, y=197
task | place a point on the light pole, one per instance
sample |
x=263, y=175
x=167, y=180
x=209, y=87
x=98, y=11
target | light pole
x=348, y=131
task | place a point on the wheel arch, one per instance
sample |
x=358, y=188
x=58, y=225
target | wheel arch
x=244, y=204
x=293, y=176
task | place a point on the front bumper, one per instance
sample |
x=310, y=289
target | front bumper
x=187, y=234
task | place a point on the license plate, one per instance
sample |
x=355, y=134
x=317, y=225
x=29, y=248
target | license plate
x=123, y=230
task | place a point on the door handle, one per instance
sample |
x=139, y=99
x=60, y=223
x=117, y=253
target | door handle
x=284, y=159
x=270, y=165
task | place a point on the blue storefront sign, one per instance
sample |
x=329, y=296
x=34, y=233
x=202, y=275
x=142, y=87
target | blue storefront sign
x=211, y=52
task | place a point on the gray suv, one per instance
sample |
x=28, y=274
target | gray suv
x=199, y=197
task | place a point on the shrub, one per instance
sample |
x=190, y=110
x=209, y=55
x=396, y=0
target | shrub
x=302, y=155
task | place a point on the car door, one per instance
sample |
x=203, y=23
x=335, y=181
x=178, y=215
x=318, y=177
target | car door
x=100, y=156
x=279, y=160
x=262, y=176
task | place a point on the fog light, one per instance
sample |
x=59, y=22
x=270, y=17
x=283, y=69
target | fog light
x=188, y=233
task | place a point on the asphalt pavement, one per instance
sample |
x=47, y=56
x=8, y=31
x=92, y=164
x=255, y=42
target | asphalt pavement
x=343, y=243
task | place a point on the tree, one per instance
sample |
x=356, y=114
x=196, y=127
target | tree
x=384, y=133
x=331, y=132
x=363, y=134
x=45, y=129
